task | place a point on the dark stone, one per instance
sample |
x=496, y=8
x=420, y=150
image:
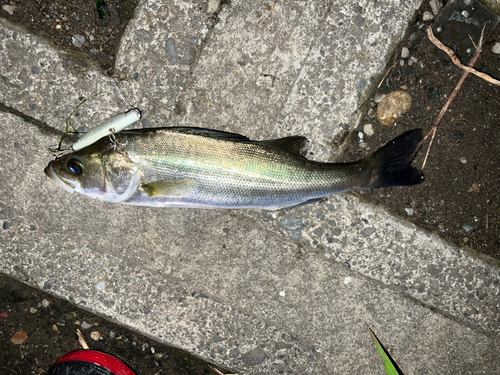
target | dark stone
x=32, y=228
x=218, y=339
x=171, y=51
x=34, y=69
x=33, y=107
x=367, y=232
x=47, y=285
x=6, y=225
x=336, y=231
x=254, y=357
x=318, y=232
x=234, y=353
x=65, y=63
x=433, y=269
x=144, y=34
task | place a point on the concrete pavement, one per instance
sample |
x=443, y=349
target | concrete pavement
x=259, y=292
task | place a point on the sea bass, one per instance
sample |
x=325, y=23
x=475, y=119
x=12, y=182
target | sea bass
x=201, y=168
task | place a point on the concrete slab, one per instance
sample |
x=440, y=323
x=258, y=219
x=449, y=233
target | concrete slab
x=296, y=68
x=214, y=283
x=47, y=83
x=259, y=292
x=161, y=44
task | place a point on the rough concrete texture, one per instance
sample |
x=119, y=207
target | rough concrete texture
x=46, y=83
x=301, y=68
x=157, y=51
x=259, y=292
x=215, y=283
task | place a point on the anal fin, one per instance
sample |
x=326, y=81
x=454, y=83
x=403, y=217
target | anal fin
x=305, y=203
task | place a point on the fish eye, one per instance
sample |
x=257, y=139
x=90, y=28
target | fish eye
x=74, y=167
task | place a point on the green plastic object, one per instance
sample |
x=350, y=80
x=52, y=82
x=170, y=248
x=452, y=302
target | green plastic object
x=390, y=366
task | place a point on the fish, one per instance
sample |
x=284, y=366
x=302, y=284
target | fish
x=203, y=168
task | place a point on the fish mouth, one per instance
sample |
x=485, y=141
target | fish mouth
x=65, y=184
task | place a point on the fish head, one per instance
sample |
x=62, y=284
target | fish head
x=97, y=171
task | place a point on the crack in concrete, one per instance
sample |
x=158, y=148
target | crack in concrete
x=44, y=128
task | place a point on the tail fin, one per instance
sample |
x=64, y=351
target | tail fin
x=391, y=163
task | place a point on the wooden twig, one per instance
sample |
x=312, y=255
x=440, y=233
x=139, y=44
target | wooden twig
x=466, y=73
x=217, y=371
x=382, y=81
x=457, y=61
x=81, y=340
x=104, y=203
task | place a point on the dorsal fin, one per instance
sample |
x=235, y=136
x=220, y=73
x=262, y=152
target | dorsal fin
x=294, y=145
x=196, y=131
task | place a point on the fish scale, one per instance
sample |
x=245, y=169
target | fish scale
x=231, y=174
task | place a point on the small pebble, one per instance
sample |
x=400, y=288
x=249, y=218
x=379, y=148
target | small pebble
x=85, y=325
x=45, y=303
x=78, y=40
x=111, y=335
x=463, y=160
x=468, y=228
x=410, y=211
x=405, y=53
x=361, y=135
x=394, y=105
x=427, y=16
x=158, y=355
x=95, y=335
x=496, y=48
x=213, y=5
x=347, y=280
x=474, y=188
x=33, y=310
x=378, y=98
x=19, y=337
x=371, y=113
x=9, y=8
x=54, y=328
x=435, y=6
x=368, y=129
x=101, y=286
x=282, y=293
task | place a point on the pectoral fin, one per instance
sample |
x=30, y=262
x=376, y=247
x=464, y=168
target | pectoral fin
x=171, y=188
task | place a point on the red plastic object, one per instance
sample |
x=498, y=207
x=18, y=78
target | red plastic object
x=90, y=362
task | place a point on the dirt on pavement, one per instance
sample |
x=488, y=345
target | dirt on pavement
x=459, y=199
